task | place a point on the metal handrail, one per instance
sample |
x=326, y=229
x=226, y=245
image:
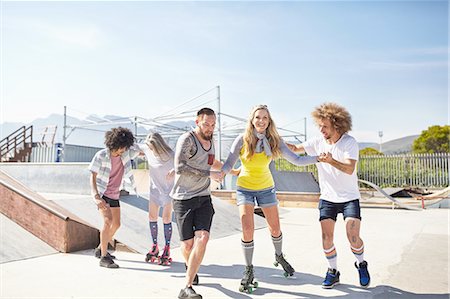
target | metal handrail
x=14, y=140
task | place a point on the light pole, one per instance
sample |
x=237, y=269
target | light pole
x=380, y=134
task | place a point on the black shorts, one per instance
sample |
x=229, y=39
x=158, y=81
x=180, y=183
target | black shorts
x=330, y=210
x=113, y=203
x=192, y=215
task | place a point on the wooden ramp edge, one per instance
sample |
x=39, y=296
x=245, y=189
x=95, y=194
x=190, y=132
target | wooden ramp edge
x=51, y=223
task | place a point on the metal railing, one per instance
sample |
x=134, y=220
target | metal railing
x=412, y=170
x=18, y=140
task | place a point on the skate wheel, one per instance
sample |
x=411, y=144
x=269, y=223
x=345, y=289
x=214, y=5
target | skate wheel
x=241, y=289
x=249, y=290
x=286, y=274
x=255, y=284
x=275, y=264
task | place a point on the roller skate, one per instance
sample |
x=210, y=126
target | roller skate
x=247, y=283
x=153, y=255
x=288, y=270
x=165, y=258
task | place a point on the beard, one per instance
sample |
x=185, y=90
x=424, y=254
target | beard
x=206, y=137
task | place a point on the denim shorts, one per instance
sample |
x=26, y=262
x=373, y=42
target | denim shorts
x=330, y=210
x=264, y=198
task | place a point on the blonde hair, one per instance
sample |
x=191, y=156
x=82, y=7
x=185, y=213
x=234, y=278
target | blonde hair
x=160, y=147
x=339, y=117
x=249, y=144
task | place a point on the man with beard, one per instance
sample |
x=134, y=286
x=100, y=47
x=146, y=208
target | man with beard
x=193, y=209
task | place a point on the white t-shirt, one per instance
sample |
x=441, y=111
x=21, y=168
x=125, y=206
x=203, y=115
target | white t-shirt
x=335, y=185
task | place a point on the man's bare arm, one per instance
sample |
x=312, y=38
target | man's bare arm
x=182, y=155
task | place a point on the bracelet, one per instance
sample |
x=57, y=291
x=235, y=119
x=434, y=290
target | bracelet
x=97, y=196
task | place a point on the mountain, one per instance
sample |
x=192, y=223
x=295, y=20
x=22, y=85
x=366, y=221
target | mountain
x=363, y=145
x=397, y=146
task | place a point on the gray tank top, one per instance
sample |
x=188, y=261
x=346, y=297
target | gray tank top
x=188, y=185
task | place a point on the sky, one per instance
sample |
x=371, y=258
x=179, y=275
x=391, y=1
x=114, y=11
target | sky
x=385, y=61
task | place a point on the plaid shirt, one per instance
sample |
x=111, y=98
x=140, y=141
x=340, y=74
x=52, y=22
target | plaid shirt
x=101, y=164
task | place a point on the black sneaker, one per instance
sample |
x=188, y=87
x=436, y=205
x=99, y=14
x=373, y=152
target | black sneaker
x=195, y=281
x=188, y=292
x=108, y=263
x=98, y=254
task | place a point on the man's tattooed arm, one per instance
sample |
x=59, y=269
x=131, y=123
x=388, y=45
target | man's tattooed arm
x=184, y=150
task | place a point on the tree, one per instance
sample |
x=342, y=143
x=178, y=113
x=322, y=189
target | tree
x=368, y=151
x=433, y=140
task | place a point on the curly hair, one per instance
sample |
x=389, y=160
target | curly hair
x=250, y=139
x=339, y=117
x=119, y=138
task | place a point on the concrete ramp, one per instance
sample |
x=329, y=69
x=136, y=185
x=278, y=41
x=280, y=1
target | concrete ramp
x=56, y=226
x=285, y=181
x=134, y=231
x=295, y=181
x=19, y=244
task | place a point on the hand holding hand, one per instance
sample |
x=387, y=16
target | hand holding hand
x=326, y=157
x=216, y=176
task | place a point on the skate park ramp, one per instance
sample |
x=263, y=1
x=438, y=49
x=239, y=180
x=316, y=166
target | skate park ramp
x=50, y=183
x=285, y=181
x=56, y=226
x=295, y=181
x=19, y=244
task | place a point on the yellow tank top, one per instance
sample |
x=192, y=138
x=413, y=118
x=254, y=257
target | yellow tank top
x=255, y=173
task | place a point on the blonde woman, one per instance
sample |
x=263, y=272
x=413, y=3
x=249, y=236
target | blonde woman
x=256, y=148
x=161, y=165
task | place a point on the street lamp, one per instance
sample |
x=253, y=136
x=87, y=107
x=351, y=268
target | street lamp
x=380, y=134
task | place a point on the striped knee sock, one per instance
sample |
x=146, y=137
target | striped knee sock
x=331, y=256
x=247, y=248
x=359, y=253
x=278, y=243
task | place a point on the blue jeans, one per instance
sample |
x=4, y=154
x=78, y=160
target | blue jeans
x=264, y=198
x=330, y=210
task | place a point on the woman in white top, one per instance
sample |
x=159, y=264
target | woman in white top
x=161, y=169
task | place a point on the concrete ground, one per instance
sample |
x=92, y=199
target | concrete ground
x=407, y=252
